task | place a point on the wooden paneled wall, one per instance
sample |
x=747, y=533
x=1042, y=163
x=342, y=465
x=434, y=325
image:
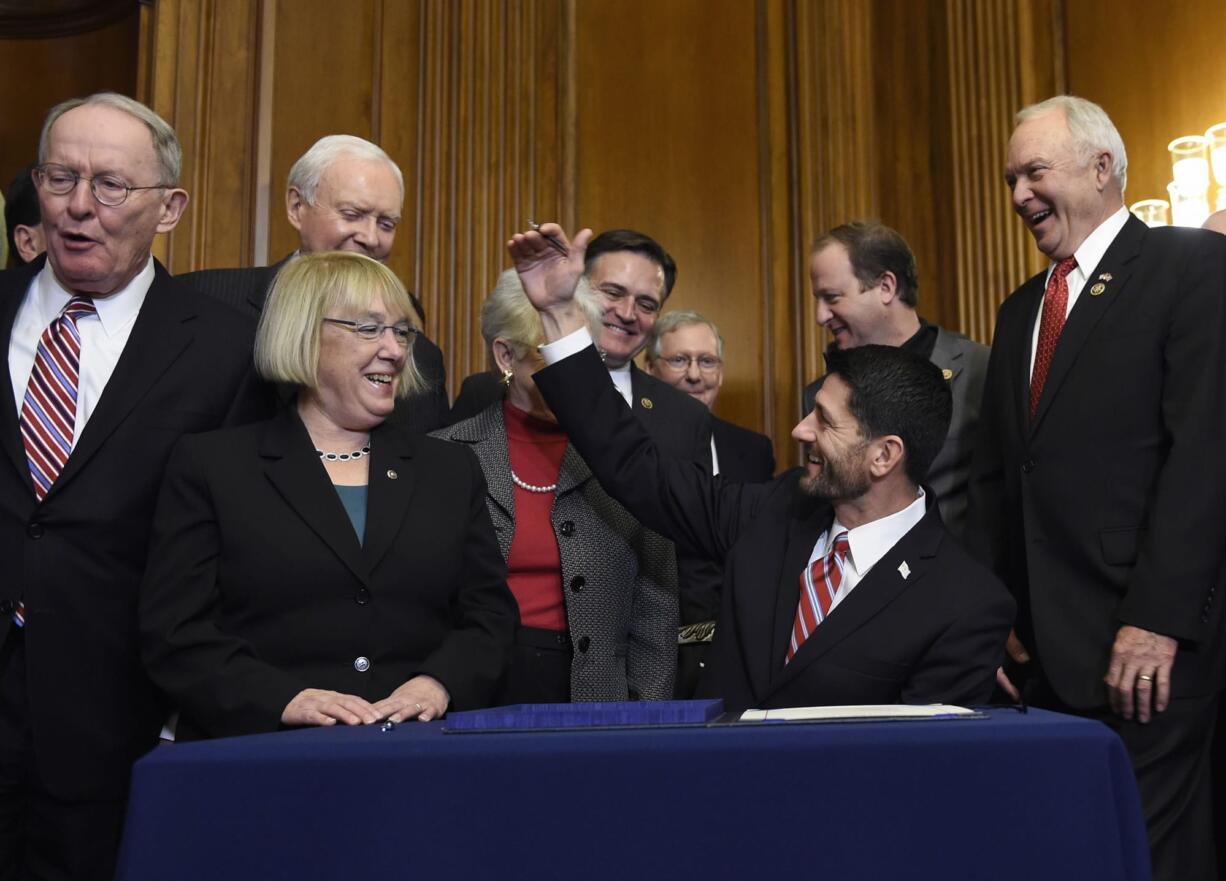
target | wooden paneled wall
x=734, y=132
x=1158, y=69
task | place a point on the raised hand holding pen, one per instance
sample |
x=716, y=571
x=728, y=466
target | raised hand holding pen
x=549, y=277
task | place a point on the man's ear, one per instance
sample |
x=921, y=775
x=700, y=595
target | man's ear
x=887, y=455
x=293, y=207
x=174, y=203
x=28, y=241
x=888, y=283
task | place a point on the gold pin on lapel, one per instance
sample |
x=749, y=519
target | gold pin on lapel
x=947, y=373
x=1097, y=289
x=391, y=474
x=646, y=403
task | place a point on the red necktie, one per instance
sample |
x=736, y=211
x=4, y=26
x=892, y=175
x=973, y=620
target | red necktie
x=1055, y=304
x=819, y=586
x=49, y=409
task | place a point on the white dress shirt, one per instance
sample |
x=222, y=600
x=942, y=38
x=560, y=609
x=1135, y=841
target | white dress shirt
x=867, y=544
x=102, y=337
x=1089, y=255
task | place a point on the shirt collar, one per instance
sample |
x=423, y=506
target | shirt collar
x=621, y=381
x=1091, y=252
x=114, y=312
x=869, y=543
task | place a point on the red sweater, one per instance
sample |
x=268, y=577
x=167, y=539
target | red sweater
x=534, y=566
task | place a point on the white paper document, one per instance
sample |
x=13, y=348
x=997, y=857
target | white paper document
x=862, y=711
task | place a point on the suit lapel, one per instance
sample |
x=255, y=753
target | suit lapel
x=776, y=631
x=1031, y=301
x=1090, y=308
x=947, y=354
x=294, y=469
x=257, y=296
x=12, y=294
x=883, y=584
x=391, y=482
x=486, y=436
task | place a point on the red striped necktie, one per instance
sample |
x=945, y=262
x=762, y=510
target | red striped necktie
x=49, y=409
x=819, y=587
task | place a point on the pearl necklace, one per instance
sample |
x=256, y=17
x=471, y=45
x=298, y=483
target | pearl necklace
x=344, y=457
x=530, y=487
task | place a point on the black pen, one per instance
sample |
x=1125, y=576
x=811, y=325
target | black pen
x=553, y=241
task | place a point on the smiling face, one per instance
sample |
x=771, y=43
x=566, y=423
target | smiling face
x=854, y=315
x=836, y=451
x=357, y=378
x=93, y=248
x=357, y=208
x=697, y=343
x=629, y=290
x=1060, y=194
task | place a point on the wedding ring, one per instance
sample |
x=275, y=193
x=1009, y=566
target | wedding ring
x=1145, y=676
x=418, y=707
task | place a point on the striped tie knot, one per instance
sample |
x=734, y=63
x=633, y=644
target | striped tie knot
x=819, y=588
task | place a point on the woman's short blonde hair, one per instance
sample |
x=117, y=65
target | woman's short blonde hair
x=318, y=285
x=508, y=314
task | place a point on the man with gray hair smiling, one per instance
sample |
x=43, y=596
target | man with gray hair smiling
x=343, y=194
x=109, y=361
x=1098, y=476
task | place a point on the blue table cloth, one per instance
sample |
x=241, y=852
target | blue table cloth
x=1013, y=796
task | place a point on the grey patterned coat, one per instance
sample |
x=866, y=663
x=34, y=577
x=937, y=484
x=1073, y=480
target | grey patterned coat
x=619, y=580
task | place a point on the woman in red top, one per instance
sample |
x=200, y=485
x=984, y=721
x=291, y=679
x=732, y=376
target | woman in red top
x=597, y=592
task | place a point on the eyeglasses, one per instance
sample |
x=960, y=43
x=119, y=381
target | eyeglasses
x=402, y=333
x=681, y=363
x=646, y=305
x=109, y=190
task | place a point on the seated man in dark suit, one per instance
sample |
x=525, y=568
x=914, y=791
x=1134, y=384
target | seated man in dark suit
x=686, y=350
x=343, y=194
x=842, y=585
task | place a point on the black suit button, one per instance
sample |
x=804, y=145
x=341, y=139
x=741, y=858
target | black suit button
x=576, y=583
x=567, y=528
x=35, y=530
x=1028, y=466
x=362, y=597
x=7, y=607
x=583, y=643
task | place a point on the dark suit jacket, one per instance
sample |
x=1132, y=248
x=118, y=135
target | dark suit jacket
x=744, y=456
x=1107, y=508
x=78, y=556
x=619, y=580
x=937, y=634
x=257, y=586
x=246, y=290
x=965, y=363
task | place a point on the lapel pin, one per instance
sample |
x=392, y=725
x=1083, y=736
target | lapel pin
x=1105, y=276
x=392, y=475
x=947, y=373
x=903, y=569
x=1097, y=289
x=646, y=403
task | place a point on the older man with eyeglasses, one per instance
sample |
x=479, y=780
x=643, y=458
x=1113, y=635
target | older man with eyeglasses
x=110, y=361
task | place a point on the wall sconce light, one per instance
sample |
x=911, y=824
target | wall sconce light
x=1153, y=212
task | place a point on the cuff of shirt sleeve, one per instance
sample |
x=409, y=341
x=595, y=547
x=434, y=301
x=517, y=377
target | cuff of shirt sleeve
x=565, y=347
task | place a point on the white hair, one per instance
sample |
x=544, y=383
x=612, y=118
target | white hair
x=670, y=321
x=1091, y=128
x=508, y=314
x=165, y=141
x=311, y=165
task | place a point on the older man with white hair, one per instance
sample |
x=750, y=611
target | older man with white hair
x=1098, y=477
x=343, y=194
x=109, y=362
